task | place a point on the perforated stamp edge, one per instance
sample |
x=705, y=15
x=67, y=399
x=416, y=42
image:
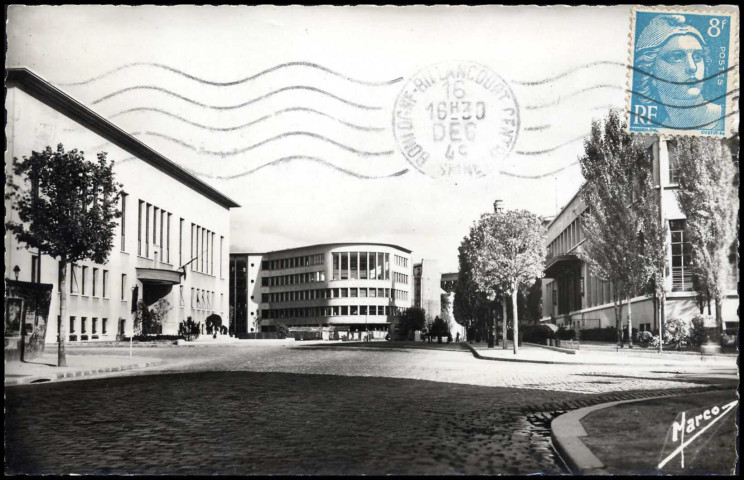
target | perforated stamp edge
x=731, y=121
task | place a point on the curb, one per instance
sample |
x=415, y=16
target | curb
x=566, y=430
x=557, y=349
x=522, y=360
x=79, y=373
x=656, y=363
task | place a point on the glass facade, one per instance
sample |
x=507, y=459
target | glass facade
x=364, y=266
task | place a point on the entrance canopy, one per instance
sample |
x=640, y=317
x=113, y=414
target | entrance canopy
x=556, y=265
x=158, y=276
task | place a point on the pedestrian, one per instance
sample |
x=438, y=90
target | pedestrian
x=457, y=337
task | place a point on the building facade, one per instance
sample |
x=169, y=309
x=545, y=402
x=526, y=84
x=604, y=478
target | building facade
x=427, y=289
x=171, y=244
x=347, y=288
x=449, y=281
x=573, y=296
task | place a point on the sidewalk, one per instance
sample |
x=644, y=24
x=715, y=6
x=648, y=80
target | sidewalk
x=536, y=354
x=44, y=369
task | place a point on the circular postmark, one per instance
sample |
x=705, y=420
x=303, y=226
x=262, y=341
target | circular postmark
x=456, y=119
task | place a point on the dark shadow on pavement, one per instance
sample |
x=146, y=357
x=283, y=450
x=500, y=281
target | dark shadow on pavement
x=398, y=346
x=31, y=362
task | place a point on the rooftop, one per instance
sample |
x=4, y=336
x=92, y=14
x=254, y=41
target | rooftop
x=326, y=245
x=45, y=92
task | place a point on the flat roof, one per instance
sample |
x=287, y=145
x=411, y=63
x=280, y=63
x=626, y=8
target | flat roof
x=326, y=245
x=45, y=92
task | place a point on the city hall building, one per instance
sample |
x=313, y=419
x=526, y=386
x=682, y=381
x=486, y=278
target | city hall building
x=338, y=289
x=171, y=243
x=573, y=296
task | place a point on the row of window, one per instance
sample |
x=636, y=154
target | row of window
x=202, y=240
x=400, y=277
x=294, y=262
x=202, y=250
x=600, y=292
x=361, y=265
x=84, y=280
x=200, y=299
x=401, y=261
x=93, y=325
x=294, y=279
x=568, y=239
x=324, y=293
x=156, y=231
x=335, y=311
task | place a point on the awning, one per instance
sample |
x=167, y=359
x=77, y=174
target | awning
x=550, y=326
x=554, y=266
x=159, y=276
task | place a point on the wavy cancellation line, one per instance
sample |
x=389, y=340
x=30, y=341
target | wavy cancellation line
x=570, y=95
x=361, y=153
x=618, y=64
x=288, y=159
x=537, y=177
x=682, y=107
x=545, y=126
x=348, y=172
x=235, y=106
x=276, y=68
x=687, y=127
x=633, y=92
x=551, y=149
x=248, y=124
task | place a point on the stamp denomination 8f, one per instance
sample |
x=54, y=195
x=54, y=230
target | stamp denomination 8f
x=456, y=119
x=684, y=75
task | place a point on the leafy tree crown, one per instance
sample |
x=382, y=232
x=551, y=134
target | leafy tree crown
x=67, y=206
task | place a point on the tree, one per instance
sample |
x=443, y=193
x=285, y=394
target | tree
x=708, y=196
x=625, y=238
x=412, y=319
x=508, y=254
x=282, y=331
x=439, y=329
x=67, y=212
x=470, y=305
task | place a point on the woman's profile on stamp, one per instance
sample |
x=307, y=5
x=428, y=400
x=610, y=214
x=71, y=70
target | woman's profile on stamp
x=674, y=59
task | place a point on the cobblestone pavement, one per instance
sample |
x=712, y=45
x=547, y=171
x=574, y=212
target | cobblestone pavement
x=312, y=410
x=439, y=363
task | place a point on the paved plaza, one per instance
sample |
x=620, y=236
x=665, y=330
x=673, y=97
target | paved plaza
x=284, y=407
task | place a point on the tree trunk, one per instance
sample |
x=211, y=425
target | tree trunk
x=719, y=319
x=630, y=323
x=515, y=322
x=503, y=324
x=62, y=333
x=662, y=301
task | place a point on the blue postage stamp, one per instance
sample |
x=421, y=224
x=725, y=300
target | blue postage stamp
x=684, y=75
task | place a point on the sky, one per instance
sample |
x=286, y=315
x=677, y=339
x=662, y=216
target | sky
x=289, y=110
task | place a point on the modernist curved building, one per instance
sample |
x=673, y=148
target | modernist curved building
x=339, y=287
